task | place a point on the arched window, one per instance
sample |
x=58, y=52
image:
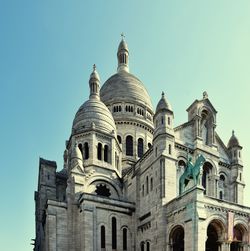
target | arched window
x=124, y=232
x=168, y=120
x=151, y=184
x=169, y=149
x=103, y=241
x=156, y=152
x=86, y=150
x=148, y=246
x=221, y=195
x=162, y=120
x=114, y=239
x=129, y=146
x=106, y=150
x=120, y=108
x=142, y=246
x=140, y=147
x=147, y=184
x=149, y=145
x=119, y=139
x=207, y=168
x=99, y=151
x=142, y=190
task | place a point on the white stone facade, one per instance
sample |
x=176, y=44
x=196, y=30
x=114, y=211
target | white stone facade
x=120, y=185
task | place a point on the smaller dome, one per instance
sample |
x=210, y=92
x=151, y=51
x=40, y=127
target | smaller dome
x=233, y=141
x=94, y=113
x=163, y=104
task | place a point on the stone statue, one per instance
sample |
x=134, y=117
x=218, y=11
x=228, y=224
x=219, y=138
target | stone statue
x=191, y=172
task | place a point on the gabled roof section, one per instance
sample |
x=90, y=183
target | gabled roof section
x=205, y=101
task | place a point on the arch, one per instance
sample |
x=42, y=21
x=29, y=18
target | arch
x=142, y=246
x=140, y=147
x=102, y=179
x=86, y=150
x=148, y=246
x=151, y=184
x=103, y=237
x=99, y=151
x=129, y=145
x=216, y=232
x=149, y=145
x=176, y=238
x=239, y=237
x=114, y=233
x=106, y=153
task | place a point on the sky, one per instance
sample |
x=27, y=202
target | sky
x=47, y=49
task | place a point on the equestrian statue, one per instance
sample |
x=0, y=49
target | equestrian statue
x=191, y=172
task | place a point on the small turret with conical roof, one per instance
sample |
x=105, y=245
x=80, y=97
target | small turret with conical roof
x=122, y=55
x=234, y=148
x=164, y=132
x=163, y=118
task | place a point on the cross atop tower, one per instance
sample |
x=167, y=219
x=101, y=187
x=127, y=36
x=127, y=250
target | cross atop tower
x=122, y=35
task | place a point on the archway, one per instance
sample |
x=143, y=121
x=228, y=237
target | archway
x=237, y=244
x=177, y=239
x=215, y=235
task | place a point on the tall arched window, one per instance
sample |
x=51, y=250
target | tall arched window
x=99, y=151
x=147, y=184
x=129, y=146
x=140, y=147
x=114, y=237
x=142, y=246
x=106, y=150
x=151, y=184
x=148, y=246
x=86, y=150
x=124, y=232
x=103, y=241
x=169, y=150
x=207, y=168
x=168, y=120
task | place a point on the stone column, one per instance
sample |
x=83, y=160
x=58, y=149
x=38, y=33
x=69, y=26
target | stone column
x=225, y=246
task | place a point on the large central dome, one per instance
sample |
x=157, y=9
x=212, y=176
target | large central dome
x=123, y=86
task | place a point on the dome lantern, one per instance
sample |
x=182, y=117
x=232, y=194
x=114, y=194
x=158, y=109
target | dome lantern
x=122, y=56
x=94, y=84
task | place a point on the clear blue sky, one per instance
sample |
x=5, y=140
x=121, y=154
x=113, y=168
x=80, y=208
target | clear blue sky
x=47, y=49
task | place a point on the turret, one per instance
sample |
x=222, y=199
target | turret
x=234, y=149
x=164, y=134
x=237, y=182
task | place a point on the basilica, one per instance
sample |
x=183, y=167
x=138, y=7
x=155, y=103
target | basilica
x=132, y=180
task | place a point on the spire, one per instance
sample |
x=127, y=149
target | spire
x=122, y=55
x=94, y=84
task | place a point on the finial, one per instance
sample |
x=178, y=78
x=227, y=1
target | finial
x=122, y=35
x=162, y=94
x=233, y=132
x=94, y=67
x=205, y=95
